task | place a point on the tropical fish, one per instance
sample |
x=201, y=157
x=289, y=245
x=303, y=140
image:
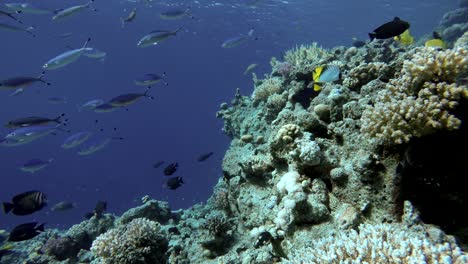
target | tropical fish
x=150, y=79
x=404, y=38
x=158, y=164
x=6, y=142
x=125, y=100
x=25, y=232
x=26, y=8
x=390, y=29
x=76, y=139
x=325, y=74
x=17, y=92
x=10, y=15
x=129, y=18
x=173, y=183
x=436, y=41
x=205, y=156
x=94, y=53
x=33, y=121
x=31, y=133
x=99, y=209
x=90, y=105
x=171, y=169
x=71, y=10
x=63, y=206
x=105, y=108
x=358, y=43
x=21, y=82
x=34, y=165
x=155, y=37
x=17, y=29
x=94, y=146
x=65, y=35
x=236, y=41
x=174, y=14
x=250, y=68
x=26, y=203
x=65, y=58
x=57, y=100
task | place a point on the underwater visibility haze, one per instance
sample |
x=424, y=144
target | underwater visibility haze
x=244, y=131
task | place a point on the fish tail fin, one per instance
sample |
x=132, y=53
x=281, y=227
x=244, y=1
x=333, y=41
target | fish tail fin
x=179, y=29
x=317, y=87
x=86, y=43
x=7, y=207
x=41, y=78
x=122, y=21
x=372, y=36
x=40, y=227
x=58, y=118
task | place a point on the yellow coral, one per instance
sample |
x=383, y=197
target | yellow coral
x=418, y=102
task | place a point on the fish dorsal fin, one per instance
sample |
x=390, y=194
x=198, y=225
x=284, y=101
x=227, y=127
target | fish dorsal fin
x=436, y=35
x=317, y=72
x=396, y=19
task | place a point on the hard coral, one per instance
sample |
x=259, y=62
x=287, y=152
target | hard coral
x=418, y=102
x=140, y=241
x=382, y=243
x=267, y=88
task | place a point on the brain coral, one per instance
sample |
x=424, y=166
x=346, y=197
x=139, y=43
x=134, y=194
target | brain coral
x=419, y=101
x=140, y=241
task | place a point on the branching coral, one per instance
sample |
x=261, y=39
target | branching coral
x=418, y=102
x=383, y=243
x=140, y=241
x=305, y=55
x=267, y=88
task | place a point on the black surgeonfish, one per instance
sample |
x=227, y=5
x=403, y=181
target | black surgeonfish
x=99, y=209
x=174, y=183
x=205, y=156
x=171, y=169
x=25, y=232
x=26, y=203
x=390, y=29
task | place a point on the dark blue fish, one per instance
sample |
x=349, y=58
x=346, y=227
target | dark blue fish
x=26, y=203
x=150, y=79
x=173, y=183
x=25, y=232
x=34, y=165
x=205, y=156
x=171, y=169
x=21, y=82
x=125, y=100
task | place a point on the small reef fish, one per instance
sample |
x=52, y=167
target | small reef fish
x=105, y=108
x=71, y=10
x=155, y=37
x=26, y=203
x=436, y=41
x=125, y=100
x=90, y=105
x=65, y=58
x=26, y=8
x=150, y=79
x=57, y=100
x=358, y=43
x=390, y=29
x=21, y=82
x=171, y=169
x=99, y=209
x=205, y=156
x=158, y=164
x=17, y=92
x=34, y=121
x=405, y=38
x=173, y=183
x=34, y=165
x=96, y=145
x=7, y=142
x=174, y=14
x=94, y=53
x=250, y=68
x=325, y=74
x=25, y=232
x=131, y=16
x=76, y=139
x=63, y=206
x=236, y=41
x=12, y=28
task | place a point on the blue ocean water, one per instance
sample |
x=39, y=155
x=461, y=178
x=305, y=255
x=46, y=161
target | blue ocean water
x=180, y=123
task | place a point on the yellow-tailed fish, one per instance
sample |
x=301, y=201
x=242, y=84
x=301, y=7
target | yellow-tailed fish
x=405, y=38
x=436, y=41
x=325, y=74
